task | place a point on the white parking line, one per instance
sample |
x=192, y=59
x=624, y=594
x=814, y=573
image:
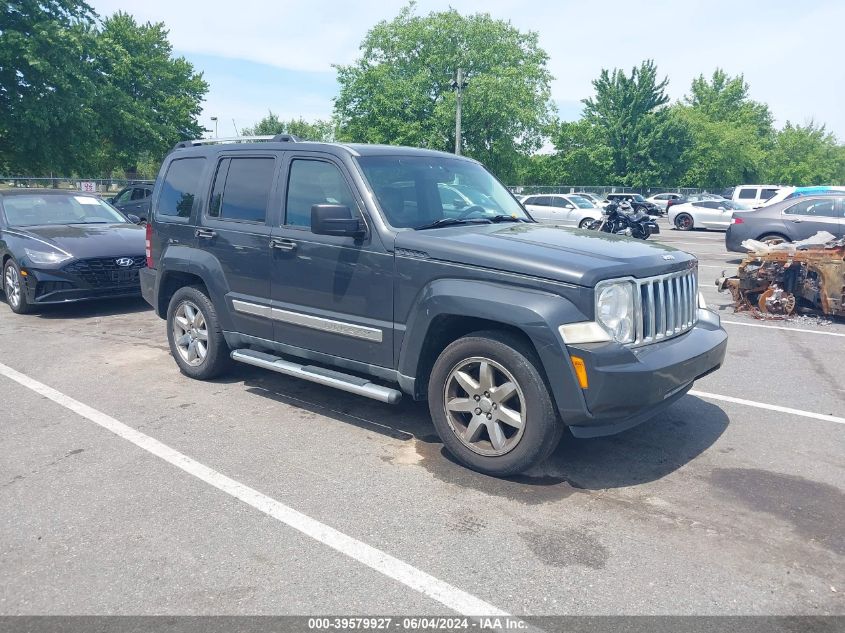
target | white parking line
x=780, y=327
x=384, y=563
x=770, y=407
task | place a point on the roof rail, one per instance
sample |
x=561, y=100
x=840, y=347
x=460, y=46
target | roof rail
x=284, y=138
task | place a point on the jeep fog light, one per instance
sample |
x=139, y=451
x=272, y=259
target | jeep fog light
x=615, y=310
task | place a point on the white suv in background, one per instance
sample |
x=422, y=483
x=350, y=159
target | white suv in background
x=754, y=195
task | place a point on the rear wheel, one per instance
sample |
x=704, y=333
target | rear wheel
x=774, y=238
x=684, y=222
x=13, y=287
x=490, y=404
x=586, y=223
x=194, y=333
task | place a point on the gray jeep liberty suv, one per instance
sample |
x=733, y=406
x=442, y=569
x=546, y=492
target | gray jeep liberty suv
x=385, y=270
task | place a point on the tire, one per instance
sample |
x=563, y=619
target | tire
x=684, y=222
x=191, y=313
x=13, y=288
x=586, y=223
x=774, y=238
x=465, y=432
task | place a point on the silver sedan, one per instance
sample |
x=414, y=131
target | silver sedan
x=564, y=210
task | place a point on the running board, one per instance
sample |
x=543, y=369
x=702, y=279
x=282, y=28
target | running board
x=320, y=375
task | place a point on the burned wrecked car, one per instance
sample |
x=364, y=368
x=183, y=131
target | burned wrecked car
x=781, y=279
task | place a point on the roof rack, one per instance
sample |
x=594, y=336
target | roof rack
x=279, y=138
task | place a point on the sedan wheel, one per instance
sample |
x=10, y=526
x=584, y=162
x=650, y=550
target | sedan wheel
x=12, y=286
x=484, y=406
x=190, y=333
x=585, y=223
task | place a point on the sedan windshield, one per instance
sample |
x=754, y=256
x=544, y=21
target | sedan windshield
x=419, y=191
x=34, y=210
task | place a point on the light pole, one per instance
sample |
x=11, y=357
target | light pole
x=214, y=119
x=458, y=84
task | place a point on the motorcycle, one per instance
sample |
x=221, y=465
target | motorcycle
x=622, y=219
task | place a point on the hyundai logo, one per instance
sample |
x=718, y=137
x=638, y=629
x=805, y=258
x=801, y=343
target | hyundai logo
x=124, y=261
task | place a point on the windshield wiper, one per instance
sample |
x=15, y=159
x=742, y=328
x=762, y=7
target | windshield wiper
x=450, y=222
x=504, y=218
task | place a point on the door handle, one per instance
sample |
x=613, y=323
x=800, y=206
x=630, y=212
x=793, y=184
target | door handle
x=283, y=244
x=796, y=220
x=205, y=233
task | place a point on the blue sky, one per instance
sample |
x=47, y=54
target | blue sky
x=264, y=54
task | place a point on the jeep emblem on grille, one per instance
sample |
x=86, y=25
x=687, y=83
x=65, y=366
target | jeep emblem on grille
x=124, y=261
x=668, y=257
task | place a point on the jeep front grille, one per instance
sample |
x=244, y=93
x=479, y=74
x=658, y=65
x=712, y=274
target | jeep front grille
x=668, y=306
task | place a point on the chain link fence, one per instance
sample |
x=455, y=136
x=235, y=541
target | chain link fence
x=89, y=185
x=602, y=191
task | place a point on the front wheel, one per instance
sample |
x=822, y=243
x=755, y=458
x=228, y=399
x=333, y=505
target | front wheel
x=194, y=333
x=490, y=404
x=13, y=286
x=586, y=223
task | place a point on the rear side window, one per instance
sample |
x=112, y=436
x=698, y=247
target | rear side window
x=747, y=194
x=314, y=182
x=180, y=187
x=242, y=189
x=559, y=202
x=765, y=194
x=819, y=208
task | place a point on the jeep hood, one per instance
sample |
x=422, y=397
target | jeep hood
x=560, y=254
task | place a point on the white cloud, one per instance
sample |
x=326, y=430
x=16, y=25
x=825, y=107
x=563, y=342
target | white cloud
x=790, y=56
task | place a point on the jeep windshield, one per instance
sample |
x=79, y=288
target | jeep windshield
x=426, y=192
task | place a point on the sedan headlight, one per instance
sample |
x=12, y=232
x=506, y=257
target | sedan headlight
x=615, y=310
x=46, y=257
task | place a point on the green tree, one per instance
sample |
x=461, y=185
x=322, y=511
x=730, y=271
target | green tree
x=149, y=99
x=627, y=111
x=731, y=134
x=583, y=156
x=47, y=85
x=399, y=90
x=805, y=155
x=271, y=124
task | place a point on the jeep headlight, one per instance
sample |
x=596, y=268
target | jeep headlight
x=615, y=310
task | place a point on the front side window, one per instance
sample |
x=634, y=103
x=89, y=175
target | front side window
x=36, y=210
x=559, y=202
x=242, y=189
x=819, y=208
x=314, y=182
x=766, y=194
x=407, y=190
x=124, y=196
x=180, y=187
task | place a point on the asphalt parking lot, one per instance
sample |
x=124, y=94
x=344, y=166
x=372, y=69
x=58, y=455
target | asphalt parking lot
x=131, y=489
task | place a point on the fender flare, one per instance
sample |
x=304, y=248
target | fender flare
x=183, y=259
x=535, y=313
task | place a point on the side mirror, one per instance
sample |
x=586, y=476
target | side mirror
x=569, y=206
x=335, y=219
x=458, y=203
x=134, y=219
x=112, y=199
x=722, y=209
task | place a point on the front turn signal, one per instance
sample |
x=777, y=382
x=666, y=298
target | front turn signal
x=580, y=371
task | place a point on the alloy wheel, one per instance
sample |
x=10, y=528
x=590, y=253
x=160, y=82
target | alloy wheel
x=190, y=333
x=12, y=285
x=484, y=406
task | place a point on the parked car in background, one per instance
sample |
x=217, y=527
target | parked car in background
x=704, y=214
x=596, y=199
x=662, y=199
x=753, y=195
x=637, y=201
x=788, y=193
x=59, y=246
x=565, y=210
x=694, y=197
x=787, y=221
x=135, y=200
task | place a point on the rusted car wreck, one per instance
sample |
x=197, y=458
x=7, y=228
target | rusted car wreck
x=777, y=280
